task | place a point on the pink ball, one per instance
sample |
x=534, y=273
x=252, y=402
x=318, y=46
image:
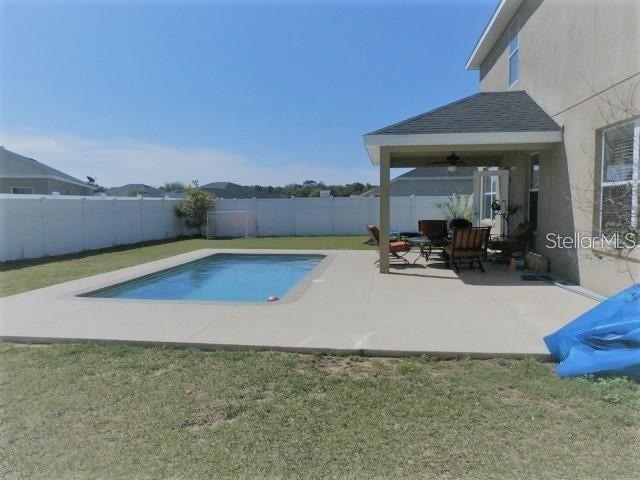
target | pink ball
x=273, y=298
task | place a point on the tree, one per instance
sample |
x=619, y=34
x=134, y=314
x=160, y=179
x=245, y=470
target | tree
x=194, y=208
x=175, y=186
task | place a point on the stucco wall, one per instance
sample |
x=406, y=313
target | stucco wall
x=581, y=62
x=68, y=188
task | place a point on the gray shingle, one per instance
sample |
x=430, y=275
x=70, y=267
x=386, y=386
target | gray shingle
x=13, y=164
x=480, y=113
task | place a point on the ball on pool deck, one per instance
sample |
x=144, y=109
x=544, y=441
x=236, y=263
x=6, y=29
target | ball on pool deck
x=273, y=298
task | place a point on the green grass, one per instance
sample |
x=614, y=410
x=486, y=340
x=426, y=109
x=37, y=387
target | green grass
x=86, y=411
x=21, y=276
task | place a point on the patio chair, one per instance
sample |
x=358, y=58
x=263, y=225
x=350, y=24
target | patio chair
x=397, y=249
x=468, y=244
x=436, y=230
x=516, y=241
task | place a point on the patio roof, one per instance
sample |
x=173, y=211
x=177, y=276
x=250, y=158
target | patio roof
x=486, y=118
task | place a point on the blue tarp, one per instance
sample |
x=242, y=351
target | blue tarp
x=604, y=341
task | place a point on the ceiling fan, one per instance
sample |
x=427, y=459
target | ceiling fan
x=451, y=161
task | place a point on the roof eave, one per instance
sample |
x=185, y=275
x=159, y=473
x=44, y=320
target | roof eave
x=453, y=141
x=500, y=20
x=78, y=183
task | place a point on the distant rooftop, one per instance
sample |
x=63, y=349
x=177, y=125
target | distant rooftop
x=14, y=165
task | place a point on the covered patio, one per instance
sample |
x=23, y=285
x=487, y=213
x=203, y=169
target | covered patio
x=504, y=131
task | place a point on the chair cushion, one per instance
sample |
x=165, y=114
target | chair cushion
x=395, y=246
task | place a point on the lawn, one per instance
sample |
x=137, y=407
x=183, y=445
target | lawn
x=87, y=411
x=24, y=275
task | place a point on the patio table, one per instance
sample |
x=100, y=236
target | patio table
x=424, y=244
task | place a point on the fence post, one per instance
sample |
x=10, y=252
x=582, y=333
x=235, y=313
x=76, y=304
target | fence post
x=43, y=223
x=114, y=221
x=83, y=219
x=333, y=215
x=255, y=214
x=292, y=213
x=141, y=219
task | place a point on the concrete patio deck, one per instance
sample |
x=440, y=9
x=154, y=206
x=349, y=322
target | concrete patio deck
x=347, y=307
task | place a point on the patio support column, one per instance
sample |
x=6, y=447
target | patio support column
x=385, y=178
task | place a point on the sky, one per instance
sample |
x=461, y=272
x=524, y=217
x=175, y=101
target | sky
x=252, y=92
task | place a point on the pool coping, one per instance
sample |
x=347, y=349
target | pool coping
x=354, y=310
x=293, y=295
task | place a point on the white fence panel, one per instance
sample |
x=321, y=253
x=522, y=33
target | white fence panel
x=312, y=216
x=273, y=217
x=33, y=226
x=326, y=216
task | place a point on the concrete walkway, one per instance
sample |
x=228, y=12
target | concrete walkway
x=347, y=307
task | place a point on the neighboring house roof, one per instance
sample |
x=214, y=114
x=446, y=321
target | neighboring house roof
x=131, y=189
x=233, y=190
x=500, y=20
x=429, y=174
x=513, y=111
x=14, y=165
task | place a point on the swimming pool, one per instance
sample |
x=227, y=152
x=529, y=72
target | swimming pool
x=220, y=277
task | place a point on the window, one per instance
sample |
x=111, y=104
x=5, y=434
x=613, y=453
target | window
x=620, y=177
x=514, y=47
x=490, y=190
x=22, y=190
x=534, y=186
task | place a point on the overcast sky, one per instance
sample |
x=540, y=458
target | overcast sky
x=251, y=92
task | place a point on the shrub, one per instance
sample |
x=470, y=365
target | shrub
x=194, y=208
x=457, y=205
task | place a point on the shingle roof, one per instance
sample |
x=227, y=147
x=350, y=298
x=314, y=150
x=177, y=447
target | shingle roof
x=14, y=165
x=483, y=112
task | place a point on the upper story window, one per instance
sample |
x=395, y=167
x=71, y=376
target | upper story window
x=619, y=190
x=514, y=48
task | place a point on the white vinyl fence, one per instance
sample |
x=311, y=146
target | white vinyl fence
x=33, y=226
x=317, y=216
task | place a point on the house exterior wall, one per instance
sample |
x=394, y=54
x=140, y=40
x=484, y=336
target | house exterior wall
x=423, y=187
x=43, y=186
x=65, y=188
x=581, y=64
x=40, y=186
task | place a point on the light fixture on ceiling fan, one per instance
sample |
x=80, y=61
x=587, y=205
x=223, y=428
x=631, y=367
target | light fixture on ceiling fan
x=452, y=160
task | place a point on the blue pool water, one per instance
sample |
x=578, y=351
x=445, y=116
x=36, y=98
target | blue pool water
x=220, y=277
